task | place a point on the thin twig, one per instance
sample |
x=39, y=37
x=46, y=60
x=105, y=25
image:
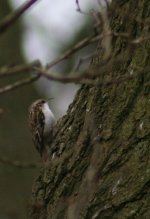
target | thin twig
x=86, y=41
x=19, y=84
x=78, y=6
x=80, y=10
x=107, y=40
x=91, y=39
x=7, y=71
x=20, y=164
x=11, y=18
x=82, y=60
x=93, y=79
x=12, y=70
x=63, y=79
x=80, y=79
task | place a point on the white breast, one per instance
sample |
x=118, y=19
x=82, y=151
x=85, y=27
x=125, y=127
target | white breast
x=49, y=119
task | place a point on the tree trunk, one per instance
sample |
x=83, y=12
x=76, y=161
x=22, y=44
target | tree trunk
x=102, y=165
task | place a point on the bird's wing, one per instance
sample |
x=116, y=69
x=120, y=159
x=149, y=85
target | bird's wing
x=36, y=125
x=39, y=129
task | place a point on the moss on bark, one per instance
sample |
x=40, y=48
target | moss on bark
x=103, y=169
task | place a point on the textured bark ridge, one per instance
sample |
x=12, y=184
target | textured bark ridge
x=102, y=166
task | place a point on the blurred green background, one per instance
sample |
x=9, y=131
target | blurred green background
x=15, y=140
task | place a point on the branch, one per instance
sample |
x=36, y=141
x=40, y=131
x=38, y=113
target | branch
x=84, y=78
x=66, y=79
x=16, y=163
x=86, y=41
x=78, y=6
x=93, y=79
x=12, y=70
x=11, y=18
x=91, y=39
x=19, y=84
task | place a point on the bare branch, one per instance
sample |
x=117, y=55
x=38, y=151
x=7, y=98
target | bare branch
x=63, y=79
x=107, y=40
x=86, y=41
x=19, y=164
x=78, y=6
x=12, y=70
x=94, y=78
x=91, y=39
x=80, y=10
x=83, y=78
x=11, y=18
x=80, y=61
x=19, y=84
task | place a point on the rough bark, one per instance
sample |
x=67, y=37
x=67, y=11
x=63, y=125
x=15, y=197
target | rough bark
x=102, y=166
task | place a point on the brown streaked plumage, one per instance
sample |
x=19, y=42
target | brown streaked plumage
x=41, y=122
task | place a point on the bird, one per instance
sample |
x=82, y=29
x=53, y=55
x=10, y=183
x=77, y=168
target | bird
x=41, y=121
